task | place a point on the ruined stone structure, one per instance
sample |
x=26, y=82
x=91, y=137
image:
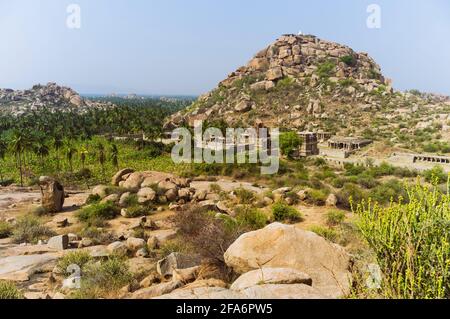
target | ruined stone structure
x=342, y=147
x=309, y=146
x=348, y=143
x=431, y=159
x=323, y=136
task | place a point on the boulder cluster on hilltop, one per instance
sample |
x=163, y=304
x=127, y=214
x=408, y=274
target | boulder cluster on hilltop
x=50, y=95
x=302, y=82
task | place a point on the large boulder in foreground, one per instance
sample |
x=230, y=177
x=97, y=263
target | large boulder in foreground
x=52, y=193
x=283, y=246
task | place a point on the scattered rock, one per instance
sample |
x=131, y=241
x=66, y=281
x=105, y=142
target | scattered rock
x=117, y=248
x=134, y=244
x=52, y=193
x=185, y=275
x=166, y=266
x=100, y=190
x=61, y=221
x=331, y=200
x=118, y=177
x=146, y=195
x=59, y=242
x=156, y=290
x=113, y=198
x=124, y=198
x=279, y=245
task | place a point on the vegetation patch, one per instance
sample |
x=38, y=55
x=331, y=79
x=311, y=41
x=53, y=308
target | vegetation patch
x=412, y=243
x=8, y=290
x=100, y=211
x=284, y=213
x=29, y=229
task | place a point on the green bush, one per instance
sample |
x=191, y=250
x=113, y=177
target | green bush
x=350, y=193
x=335, y=217
x=39, y=211
x=353, y=170
x=412, y=244
x=5, y=229
x=9, y=290
x=284, y=213
x=104, y=280
x=102, y=211
x=250, y=218
x=137, y=211
x=131, y=200
x=98, y=236
x=29, y=229
x=93, y=199
x=436, y=175
x=317, y=197
x=326, y=69
x=325, y=232
x=244, y=196
x=80, y=258
x=349, y=60
x=390, y=190
x=289, y=143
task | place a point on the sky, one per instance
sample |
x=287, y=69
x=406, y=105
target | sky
x=174, y=47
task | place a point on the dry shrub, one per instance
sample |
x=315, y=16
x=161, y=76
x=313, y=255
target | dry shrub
x=209, y=236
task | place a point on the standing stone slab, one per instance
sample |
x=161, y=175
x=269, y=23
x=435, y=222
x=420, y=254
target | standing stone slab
x=52, y=193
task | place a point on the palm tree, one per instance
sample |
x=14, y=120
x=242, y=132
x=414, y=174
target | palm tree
x=70, y=152
x=41, y=149
x=83, y=154
x=17, y=145
x=3, y=150
x=102, y=158
x=57, y=145
x=115, y=156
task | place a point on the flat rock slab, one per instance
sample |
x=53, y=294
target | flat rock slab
x=17, y=250
x=21, y=268
x=8, y=198
x=265, y=276
x=203, y=293
x=227, y=186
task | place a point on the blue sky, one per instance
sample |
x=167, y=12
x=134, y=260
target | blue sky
x=187, y=47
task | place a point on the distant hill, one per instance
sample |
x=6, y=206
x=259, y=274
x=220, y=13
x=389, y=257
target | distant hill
x=51, y=96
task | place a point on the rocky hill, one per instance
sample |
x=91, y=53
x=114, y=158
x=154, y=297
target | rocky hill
x=51, y=96
x=302, y=82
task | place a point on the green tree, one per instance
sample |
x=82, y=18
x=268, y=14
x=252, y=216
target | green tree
x=289, y=142
x=57, y=145
x=17, y=145
x=115, y=156
x=3, y=150
x=70, y=152
x=102, y=158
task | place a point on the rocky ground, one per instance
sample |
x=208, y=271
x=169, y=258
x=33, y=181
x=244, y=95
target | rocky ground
x=278, y=261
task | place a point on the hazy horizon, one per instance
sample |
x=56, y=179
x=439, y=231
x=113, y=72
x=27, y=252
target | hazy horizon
x=179, y=48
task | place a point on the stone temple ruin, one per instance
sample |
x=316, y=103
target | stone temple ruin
x=420, y=161
x=309, y=146
x=322, y=143
x=343, y=147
